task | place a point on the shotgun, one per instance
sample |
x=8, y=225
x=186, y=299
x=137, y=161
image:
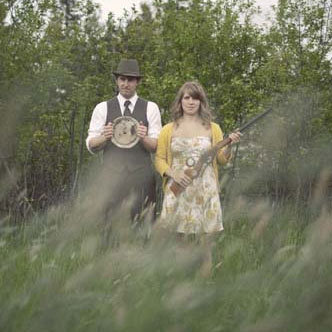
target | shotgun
x=196, y=168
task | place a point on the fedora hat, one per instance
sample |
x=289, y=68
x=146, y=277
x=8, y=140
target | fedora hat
x=128, y=67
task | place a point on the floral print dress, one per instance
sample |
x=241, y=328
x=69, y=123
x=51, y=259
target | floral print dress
x=197, y=209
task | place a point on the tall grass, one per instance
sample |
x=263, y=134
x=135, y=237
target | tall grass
x=271, y=267
x=271, y=272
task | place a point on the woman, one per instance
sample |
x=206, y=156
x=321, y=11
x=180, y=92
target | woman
x=197, y=209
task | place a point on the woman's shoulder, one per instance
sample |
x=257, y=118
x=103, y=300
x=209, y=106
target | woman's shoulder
x=215, y=126
x=166, y=130
x=167, y=127
x=217, y=133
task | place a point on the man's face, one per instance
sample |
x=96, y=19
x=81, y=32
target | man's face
x=127, y=85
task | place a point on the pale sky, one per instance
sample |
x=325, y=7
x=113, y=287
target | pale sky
x=117, y=7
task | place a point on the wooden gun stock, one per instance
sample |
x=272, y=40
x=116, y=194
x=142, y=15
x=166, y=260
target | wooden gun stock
x=210, y=154
x=177, y=188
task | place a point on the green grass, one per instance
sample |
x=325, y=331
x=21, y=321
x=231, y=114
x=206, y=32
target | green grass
x=271, y=272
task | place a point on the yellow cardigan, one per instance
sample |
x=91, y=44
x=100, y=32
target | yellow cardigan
x=163, y=157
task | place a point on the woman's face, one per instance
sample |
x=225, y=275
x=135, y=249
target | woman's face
x=190, y=105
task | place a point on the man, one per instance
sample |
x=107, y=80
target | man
x=128, y=175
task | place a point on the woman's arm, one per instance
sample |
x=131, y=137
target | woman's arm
x=224, y=155
x=160, y=161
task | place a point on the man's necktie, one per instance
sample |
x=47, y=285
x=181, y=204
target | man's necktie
x=127, y=110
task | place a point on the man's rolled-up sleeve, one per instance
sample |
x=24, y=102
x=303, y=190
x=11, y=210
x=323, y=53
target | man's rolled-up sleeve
x=97, y=123
x=154, y=119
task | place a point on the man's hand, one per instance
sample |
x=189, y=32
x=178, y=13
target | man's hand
x=149, y=143
x=141, y=131
x=108, y=131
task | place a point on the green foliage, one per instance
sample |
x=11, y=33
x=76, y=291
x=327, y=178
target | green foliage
x=271, y=268
x=270, y=271
x=58, y=60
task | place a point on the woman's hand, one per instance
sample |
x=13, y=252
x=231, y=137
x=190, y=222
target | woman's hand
x=180, y=177
x=235, y=136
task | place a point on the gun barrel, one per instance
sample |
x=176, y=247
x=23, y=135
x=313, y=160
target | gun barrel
x=253, y=120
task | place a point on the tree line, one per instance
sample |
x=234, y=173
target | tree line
x=56, y=64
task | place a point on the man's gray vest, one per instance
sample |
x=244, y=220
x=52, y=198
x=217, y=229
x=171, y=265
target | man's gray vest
x=136, y=157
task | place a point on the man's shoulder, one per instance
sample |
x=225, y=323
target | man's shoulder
x=113, y=99
x=150, y=103
x=101, y=106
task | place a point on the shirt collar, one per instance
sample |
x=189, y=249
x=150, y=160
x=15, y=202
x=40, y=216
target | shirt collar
x=122, y=99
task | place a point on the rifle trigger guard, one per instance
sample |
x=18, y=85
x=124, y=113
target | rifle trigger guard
x=190, y=162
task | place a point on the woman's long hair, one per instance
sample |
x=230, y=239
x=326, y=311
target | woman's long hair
x=196, y=91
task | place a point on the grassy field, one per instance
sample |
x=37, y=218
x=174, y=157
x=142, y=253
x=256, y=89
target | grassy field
x=271, y=272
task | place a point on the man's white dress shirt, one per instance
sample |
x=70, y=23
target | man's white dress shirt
x=99, y=116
